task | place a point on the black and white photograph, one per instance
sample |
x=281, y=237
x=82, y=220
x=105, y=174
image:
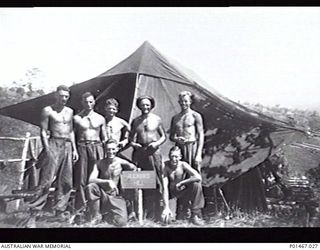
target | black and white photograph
x=159, y=117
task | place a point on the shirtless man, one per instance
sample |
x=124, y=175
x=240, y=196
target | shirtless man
x=183, y=182
x=59, y=150
x=186, y=131
x=104, y=189
x=91, y=133
x=117, y=128
x=146, y=136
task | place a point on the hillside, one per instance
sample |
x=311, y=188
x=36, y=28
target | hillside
x=297, y=159
x=307, y=119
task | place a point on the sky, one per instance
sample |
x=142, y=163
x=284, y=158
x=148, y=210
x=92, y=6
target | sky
x=267, y=55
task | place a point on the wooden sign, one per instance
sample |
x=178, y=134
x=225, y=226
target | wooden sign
x=142, y=179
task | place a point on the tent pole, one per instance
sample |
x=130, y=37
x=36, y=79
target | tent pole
x=134, y=97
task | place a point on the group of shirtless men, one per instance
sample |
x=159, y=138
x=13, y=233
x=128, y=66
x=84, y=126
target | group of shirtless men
x=83, y=152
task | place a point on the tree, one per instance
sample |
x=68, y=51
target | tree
x=19, y=91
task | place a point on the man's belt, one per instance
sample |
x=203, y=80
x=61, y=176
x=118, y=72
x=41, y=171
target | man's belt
x=186, y=143
x=60, y=138
x=88, y=142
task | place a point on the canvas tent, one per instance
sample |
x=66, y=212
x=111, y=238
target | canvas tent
x=236, y=138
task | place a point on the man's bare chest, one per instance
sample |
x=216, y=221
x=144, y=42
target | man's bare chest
x=186, y=120
x=147, y=125
x=176, y=175
x=111, y=171
x=114, y=126
x=60, y=117
x=88, y=122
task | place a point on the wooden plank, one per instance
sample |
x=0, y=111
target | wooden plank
x=18, y=138
x=14, y=205
x=13, y=160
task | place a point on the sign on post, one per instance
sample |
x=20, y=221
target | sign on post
x=136, y=180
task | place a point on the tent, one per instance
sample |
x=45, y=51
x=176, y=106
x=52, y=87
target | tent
x=236, y=138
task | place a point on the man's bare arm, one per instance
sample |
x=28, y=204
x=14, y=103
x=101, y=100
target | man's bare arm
x=103, y=131
x=173, y=132
x=125, y=134
x=165, y=194
x=199, y=127
x=173, y=136
x=166, y=213
x=133, y=136
x=194, y=175
x=75, y=121
x=44, y=125
x=162, y=138
x=75, y=155
x=94, y=179
x=127, y=165
x=162, y=134
x=94, y=176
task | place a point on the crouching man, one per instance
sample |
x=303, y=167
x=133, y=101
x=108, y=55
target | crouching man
x=183, y=182
x=103, y=191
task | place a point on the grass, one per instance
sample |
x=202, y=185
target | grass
x=280, y=217
x=238, y=220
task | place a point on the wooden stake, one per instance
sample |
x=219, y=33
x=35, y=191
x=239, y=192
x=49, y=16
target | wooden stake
x=225, y=201
x=140, y=204
x=23, y=163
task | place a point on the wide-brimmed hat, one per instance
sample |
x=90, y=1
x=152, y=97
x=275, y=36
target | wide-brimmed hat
x=150, y=98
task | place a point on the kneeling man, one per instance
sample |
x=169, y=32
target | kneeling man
x=183, y=182
x=103, y=192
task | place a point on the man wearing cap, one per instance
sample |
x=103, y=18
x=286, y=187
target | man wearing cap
x=146, y=136
x=91, y=133
x=59, y=150
x=186, y=131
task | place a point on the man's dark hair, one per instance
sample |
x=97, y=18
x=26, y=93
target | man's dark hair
x=113, y=102
x=109, y=141
x=175, y=148
x=86, y=94
x=64, y=88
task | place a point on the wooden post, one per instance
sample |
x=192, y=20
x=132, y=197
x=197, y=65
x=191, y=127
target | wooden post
x=215, y=200
x=226, y=203
x=140, y=204
x=307, y=217
x=23, y=164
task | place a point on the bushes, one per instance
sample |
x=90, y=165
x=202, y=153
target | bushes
x=10, y=96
